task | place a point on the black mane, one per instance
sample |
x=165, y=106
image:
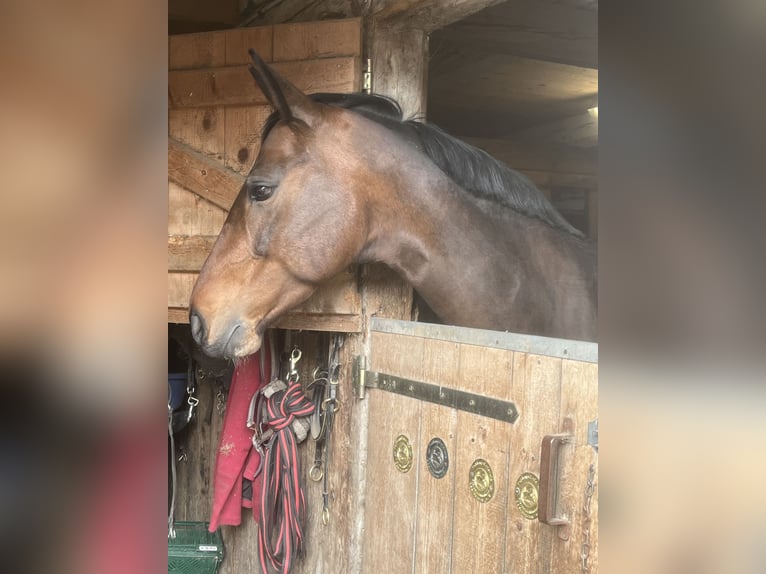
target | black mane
x=471, y=168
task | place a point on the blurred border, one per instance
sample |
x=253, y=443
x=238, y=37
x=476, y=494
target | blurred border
x=682, y=338
x=83, y=110
x=83, y=295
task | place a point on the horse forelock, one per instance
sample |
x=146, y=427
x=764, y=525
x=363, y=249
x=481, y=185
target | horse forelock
x=473, y=169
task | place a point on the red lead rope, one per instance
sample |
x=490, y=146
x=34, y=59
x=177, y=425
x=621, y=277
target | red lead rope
x=283, y=506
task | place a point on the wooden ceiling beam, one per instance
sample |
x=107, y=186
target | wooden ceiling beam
x=427, y=15
x=538, y=29
x=580, y=131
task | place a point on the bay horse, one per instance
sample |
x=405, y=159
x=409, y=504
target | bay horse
x=342, y=180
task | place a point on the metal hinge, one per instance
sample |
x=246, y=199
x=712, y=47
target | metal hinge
x=367, y=77
x=593, y=434
x=461, y=400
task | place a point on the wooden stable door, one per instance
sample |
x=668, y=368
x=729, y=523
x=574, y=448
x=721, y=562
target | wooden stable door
x=450, y=490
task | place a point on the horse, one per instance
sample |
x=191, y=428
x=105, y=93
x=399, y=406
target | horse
x=343, y=179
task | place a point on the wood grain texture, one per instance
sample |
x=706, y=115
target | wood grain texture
x=308, y=40
x=428, y=14
x=537, y=393
x=207, y=178
x=205, y=50
x=579, y=404
x=242, y=140
x=200, y=128
x=190, y=214
x=178, y=315
x=400, y=68
x=187, y=253
x=240, y=40
x=233, y=85
x=180, y=286
x=433, y=542
x=479, y=528
x=194, y=474
x=390, y=509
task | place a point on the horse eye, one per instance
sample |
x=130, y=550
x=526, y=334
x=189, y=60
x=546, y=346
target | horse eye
x=259, y=192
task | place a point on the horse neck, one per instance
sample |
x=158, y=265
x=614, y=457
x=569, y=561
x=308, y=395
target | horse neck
x=475, y=265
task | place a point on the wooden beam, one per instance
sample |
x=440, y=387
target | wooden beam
x=548, y=158
x=427, y=15
x=553, y=32
x=188, y=253
x=400, y=66
x=580, y=130
x=233, y=85
x=300, y=11
x=221, y=11
x=201, y=175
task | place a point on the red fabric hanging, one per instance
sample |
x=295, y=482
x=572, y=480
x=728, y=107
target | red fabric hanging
x=236, y=458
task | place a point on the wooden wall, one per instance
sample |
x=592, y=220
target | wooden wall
x=215, y=118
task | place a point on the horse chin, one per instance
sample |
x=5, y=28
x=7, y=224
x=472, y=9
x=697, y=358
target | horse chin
x=248, y=343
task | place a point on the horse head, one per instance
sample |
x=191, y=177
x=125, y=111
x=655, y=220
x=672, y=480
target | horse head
x=293, y=225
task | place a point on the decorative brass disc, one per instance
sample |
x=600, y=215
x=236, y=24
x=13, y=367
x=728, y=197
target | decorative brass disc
x=481, y=481
x=437, y=458
x=402, y=453
x=526, y=492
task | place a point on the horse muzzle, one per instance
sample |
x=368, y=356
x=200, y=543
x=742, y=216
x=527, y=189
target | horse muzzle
x=233, y=340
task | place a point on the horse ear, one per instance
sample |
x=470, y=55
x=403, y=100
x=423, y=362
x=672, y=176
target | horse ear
x=288, y=100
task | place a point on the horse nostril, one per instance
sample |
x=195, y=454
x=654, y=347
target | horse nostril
x=197, y=326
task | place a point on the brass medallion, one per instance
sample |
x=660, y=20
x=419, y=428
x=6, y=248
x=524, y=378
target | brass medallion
x=437, y=458
x=481, y=481
x=526, y=493
x=402, y=453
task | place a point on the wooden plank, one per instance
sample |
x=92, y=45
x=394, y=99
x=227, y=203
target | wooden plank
x=307, y=40
x=334, y=307
x=233, y=85
x=536, y=157
x=579, y=404
x=200, y=128
x=390, y=516
x=204, y=50
x=194, y=484
x=176, y=315
x=550, y=31
x=301, y=11
x=479, y=532
x=401, y=67
x=208, y=179
x=240, y=40
x=189, y=214
x=505, y=93
x=428, y=15
x=224, y=12
x=433, y=541
x=180, y=286
x=243, y=136
x=188, y=253
x=579, y=130
x=537, y=393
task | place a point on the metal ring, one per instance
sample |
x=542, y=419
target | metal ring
x=316, y=473
x=331, y=400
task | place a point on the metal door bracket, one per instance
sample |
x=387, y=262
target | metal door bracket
x=456, y=399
